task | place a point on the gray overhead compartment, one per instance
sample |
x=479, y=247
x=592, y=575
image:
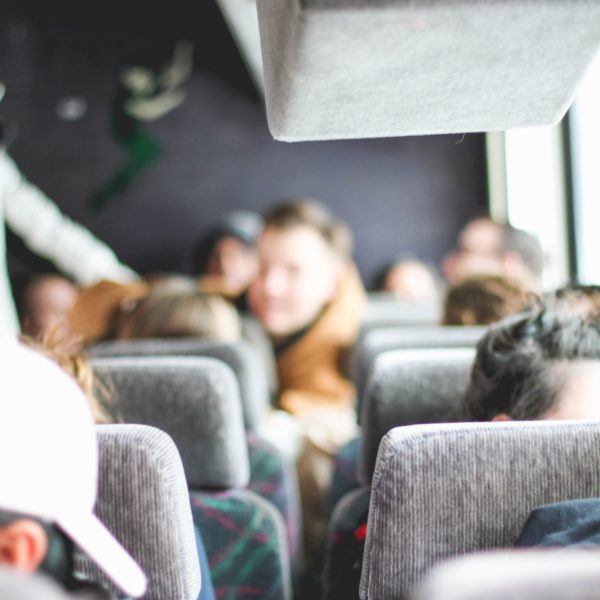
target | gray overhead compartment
x=337, y=69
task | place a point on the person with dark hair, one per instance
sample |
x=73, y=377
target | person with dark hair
x=490, y=248
x=226, y=257
x=49, y=472
x=542, y=364
x=485, y=299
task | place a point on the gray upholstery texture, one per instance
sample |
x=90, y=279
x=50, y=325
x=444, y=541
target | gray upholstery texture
x=195, y=400
x=411, y=387
x=516, y=575
x=240, y=356
x=385, y=309
x=378, y=340
x=440, y=491
x=143, y=499
x=341, y=69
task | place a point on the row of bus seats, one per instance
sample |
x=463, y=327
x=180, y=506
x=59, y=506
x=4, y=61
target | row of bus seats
x=210, y=397
x=196, y=400
x=433, y=487
x=424, y=491
x=271, y=476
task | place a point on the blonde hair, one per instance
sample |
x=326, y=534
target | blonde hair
x=167, y=314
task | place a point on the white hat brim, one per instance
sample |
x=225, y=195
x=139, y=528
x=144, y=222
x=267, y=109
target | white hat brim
x=99, y=544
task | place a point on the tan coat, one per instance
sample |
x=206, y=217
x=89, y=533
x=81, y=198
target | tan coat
x=310, y=371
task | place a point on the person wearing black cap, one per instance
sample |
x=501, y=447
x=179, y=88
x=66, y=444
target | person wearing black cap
x=226, y=257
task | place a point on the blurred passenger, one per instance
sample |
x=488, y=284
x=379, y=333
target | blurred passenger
x=49, y=472
x=411, y=280
x=226, y=257
x=486, y=247
x=542, y=364
x=485, y=299
x=46, y=302
x=164, y=313
x=309, y=297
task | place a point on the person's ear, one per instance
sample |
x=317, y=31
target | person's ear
x=502, y=417
x=23, y=545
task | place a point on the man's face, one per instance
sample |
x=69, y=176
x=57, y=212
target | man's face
x=297, y=277
x=478, y=252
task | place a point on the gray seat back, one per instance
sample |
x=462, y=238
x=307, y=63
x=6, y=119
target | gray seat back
x=195, y=400
x=377, y=341
x=440, y=491
x=550, y=574
x=384, y=310
x=143, y=499
x=410, y=387
x=240, y=356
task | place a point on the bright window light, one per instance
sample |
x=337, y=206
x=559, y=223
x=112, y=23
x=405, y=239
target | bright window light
x=535, y=194
x=585, y=145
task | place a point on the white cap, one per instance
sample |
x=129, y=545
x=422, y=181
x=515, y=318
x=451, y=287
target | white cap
x=49, y=458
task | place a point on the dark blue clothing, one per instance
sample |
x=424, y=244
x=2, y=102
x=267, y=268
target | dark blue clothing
x=570, y=523
x=207, y=591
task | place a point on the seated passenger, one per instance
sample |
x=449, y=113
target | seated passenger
x=485, y=299
x=487, y=247
x=46, y=302
x=226, y=257
x=411, y=280
x=49, y=470
x=542, y=364
x=309, y=297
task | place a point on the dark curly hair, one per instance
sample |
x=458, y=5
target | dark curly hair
x=515, y=370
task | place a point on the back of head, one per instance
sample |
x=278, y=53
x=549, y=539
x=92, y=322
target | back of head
x=242, y=225
x=485, y=299
x=522, y=363
x=170, y=314
x=316, y=216
x=411, y=279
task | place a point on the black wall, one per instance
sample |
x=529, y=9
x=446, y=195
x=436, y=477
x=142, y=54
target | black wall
x=401, y=196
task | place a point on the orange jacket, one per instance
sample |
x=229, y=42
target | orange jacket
x=311, y=370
